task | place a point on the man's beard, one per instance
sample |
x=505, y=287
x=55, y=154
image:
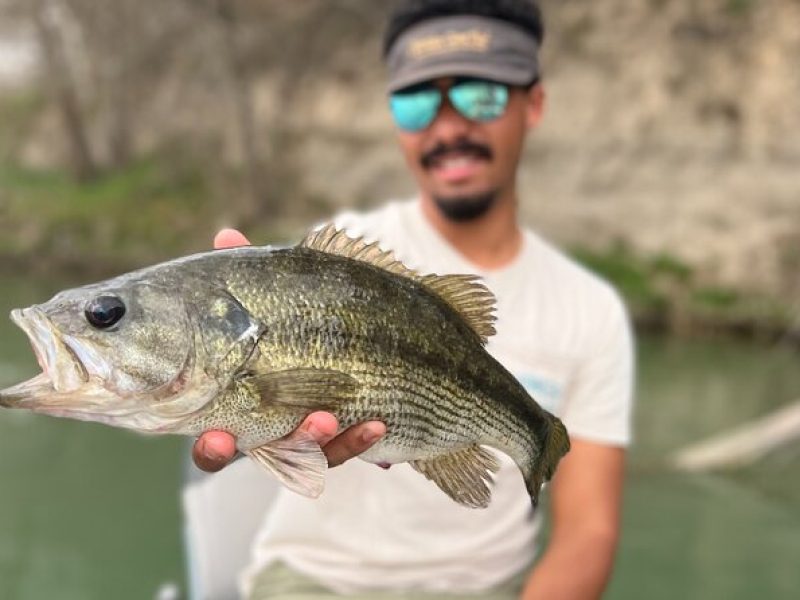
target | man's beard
x=461, y=208
x=466, y=208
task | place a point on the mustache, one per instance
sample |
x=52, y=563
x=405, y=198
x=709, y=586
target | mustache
x=462, y=146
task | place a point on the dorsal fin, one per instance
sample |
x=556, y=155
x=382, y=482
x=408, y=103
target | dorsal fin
x=464, y=293
x=468, y=297
x=334, y=241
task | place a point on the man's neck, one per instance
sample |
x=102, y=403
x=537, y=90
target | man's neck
x=491, y=241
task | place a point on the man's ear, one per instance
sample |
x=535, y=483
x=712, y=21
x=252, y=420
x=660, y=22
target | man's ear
x=534, y=105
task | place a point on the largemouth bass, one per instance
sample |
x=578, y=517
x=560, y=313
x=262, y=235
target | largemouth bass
x=251, y=340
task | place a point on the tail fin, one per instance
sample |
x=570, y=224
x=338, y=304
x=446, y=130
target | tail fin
x=556, y=445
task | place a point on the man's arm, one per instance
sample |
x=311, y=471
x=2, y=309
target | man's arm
x=586, y=498
x=215, y=449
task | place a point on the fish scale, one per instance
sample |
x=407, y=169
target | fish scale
x=252, y=340
x=339, y=358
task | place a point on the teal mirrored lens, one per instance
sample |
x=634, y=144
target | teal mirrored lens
x=479, y=100
x=415, y=110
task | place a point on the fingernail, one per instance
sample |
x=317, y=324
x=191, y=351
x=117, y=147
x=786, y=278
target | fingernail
x=369, y=437
x=212, y=455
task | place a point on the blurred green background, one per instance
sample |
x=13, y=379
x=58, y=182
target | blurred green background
x=668, y=161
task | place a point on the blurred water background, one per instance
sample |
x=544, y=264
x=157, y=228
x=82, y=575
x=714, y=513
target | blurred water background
x=668, y=161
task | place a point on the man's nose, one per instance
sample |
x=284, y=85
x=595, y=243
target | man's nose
x=449, y=125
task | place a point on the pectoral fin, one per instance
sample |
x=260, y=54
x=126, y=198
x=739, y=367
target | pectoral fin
x=297, y=461
x=305, y=389
x=463, y=475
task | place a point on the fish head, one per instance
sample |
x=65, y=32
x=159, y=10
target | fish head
x=121, y=353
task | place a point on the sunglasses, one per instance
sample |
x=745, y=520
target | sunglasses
x=415, y=108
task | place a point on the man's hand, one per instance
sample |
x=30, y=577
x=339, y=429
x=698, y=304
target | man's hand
x=215, y=449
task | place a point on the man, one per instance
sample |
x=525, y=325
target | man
x=464, y=91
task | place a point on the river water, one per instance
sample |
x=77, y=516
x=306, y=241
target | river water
x=90, y=512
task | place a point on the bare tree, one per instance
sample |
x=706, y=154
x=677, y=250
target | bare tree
x=62, y=88
x=223, y=16
x=126, y=51
x=257, y=200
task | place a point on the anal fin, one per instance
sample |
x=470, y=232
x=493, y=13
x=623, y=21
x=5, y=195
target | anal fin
x=463, y=475
x=296, y=460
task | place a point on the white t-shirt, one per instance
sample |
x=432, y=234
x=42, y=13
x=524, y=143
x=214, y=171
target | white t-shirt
x=562, y=332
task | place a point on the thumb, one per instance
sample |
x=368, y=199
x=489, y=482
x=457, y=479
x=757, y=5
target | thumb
x=230, y=238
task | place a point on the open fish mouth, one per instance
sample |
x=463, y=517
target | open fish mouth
x=76, y=382
x=62, y=370
x=64, y=388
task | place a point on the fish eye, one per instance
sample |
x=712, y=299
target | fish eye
x=104, y=311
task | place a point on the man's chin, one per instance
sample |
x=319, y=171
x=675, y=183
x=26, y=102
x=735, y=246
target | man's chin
x=462, y=209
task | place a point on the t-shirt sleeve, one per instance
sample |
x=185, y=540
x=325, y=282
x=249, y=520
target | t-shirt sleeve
x=599, y=401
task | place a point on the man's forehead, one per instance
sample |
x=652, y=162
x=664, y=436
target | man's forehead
x=440, y=82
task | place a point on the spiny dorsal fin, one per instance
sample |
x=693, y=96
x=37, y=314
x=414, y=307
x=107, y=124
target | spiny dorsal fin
x=468, y=297
x=463, y=475
x=334, y=241
x=464, y=293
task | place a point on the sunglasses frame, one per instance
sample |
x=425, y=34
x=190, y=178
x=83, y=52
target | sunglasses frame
x=429, y=99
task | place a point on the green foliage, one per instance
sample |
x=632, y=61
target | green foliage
x=125, y=217
x=660, y=288
x=668, y=266
x=631, y=275
x=740, y=7
x=715, y=297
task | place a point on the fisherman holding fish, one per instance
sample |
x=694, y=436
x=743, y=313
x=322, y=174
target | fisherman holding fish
x=376, y=337
x=464, y=90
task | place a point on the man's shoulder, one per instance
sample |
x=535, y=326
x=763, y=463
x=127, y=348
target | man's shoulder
x=375, y=223
x=557, y=268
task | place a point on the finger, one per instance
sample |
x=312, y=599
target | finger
x=213, y=450
x=322, y=426
x=230, y=238
x=353, y=442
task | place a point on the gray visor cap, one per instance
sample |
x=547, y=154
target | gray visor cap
x=463, y=45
